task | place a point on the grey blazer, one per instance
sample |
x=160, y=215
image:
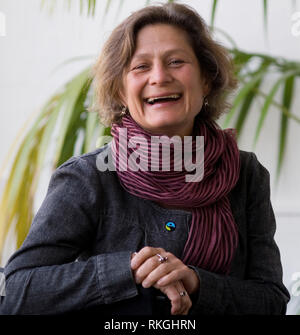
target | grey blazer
x=76, y=255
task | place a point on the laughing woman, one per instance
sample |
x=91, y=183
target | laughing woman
x=146, y=241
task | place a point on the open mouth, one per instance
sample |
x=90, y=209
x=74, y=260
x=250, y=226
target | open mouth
x=163, y=99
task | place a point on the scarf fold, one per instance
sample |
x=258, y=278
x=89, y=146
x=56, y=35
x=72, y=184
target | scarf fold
x=213, y=236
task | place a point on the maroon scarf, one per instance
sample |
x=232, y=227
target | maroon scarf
x=213, y=235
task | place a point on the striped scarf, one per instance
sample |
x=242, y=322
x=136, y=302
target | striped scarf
x=213, y=235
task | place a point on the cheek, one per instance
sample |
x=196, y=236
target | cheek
x=196, y=88
x=134, y=87
x=191, y=80
x=195, y=93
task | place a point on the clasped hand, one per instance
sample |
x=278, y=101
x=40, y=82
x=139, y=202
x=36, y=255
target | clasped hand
x=170, y=277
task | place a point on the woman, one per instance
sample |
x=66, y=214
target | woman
x=147, y=240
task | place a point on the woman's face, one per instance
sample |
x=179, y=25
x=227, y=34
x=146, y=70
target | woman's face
x=163, y=85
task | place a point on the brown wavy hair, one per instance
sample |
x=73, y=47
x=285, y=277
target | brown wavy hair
x=214, y=59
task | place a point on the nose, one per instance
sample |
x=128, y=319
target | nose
x=159, y=75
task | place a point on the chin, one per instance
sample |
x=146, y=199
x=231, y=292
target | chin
x=163, y=120
x=163, y=127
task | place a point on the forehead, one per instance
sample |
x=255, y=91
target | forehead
x=162, y=37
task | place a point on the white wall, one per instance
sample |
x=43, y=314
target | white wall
x=36, y=43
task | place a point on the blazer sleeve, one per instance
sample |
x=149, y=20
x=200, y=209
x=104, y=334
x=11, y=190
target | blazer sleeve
x=43, y=276
x=261, y=291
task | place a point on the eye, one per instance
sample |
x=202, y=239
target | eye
x=176, y=62
x=140, y=67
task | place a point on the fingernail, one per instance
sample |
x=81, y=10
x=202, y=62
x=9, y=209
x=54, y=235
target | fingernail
x=132, y=256
x=145, y=284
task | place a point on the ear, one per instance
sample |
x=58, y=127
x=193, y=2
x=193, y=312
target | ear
x=206, y=87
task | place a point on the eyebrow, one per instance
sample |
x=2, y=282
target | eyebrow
x=145, y=55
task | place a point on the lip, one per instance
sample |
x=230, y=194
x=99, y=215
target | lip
x=163, y=105
x=162, y=95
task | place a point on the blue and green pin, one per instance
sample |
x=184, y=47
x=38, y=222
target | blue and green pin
x=170, y=226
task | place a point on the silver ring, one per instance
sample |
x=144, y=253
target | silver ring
x=182, y=293
x=161, y=259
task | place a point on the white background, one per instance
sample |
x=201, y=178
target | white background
x=37, y=42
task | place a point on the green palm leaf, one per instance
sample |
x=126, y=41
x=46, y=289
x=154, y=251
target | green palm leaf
x=241, y=95
x=286, y=102
x=91, y=124
x=213, y=13
x=268, y=102
x=250, y=96
x=16, y=207
x=16, y=202
x=265, y=9
x=108, y=3
x=244, y=110
x=70, y=112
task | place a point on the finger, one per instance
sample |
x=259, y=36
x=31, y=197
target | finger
x=168, y=278
x=186, y=300
x=153, y=270
x=180, y=304
x=133, y=254
x=151, y=276
x=183, y=301
x=175, y=271
x=143, y=255
x=144, y=270
x=171, y=292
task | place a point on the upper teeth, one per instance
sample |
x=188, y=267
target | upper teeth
x=173, y=96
